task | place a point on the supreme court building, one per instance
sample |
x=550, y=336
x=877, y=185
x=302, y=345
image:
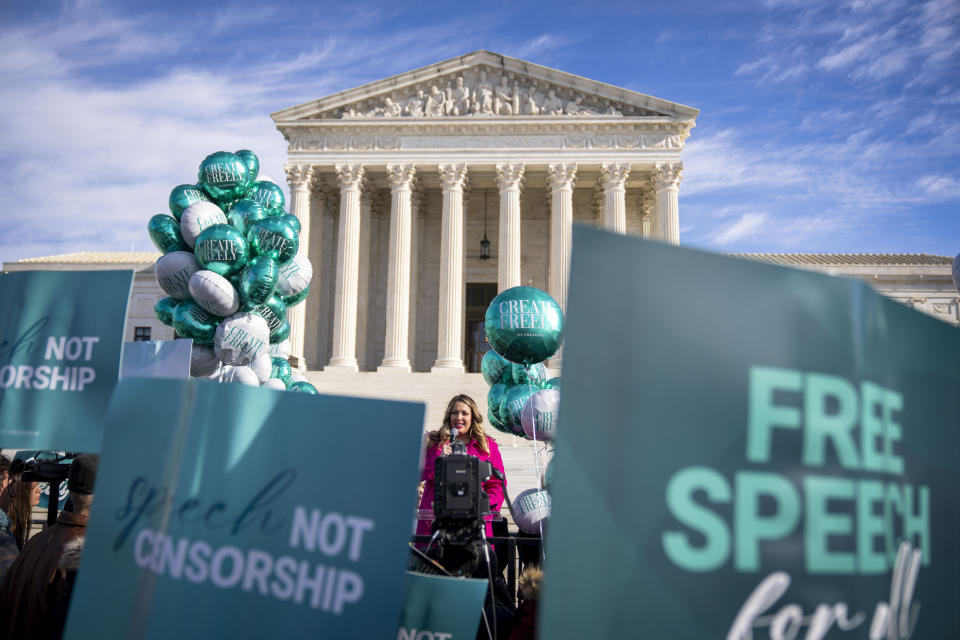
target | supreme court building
x=423, y=195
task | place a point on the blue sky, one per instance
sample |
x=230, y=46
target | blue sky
x=825, y=125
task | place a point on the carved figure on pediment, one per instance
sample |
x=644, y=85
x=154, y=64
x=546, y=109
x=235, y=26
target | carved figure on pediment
x=483, y=95
x=391, y=109
x=503, y=99
x=349, y=112
x=436, y=102
x=415, y=105
x=530, y=105
x=459, y=98
x=552, y=105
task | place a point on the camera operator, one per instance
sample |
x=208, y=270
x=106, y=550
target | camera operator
x=463, y=415
x=36, y=580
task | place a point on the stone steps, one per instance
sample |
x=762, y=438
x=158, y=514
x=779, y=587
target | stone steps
x=520, y=458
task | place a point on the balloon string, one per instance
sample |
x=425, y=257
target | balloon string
x=536, y=464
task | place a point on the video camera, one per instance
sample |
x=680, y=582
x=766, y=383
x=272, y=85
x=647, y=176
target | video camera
x=459, y=507
x=53, y=469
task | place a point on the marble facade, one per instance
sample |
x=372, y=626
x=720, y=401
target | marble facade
x=398, y=181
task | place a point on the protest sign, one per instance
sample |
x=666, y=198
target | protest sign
x=749, y=451
x=228, y=511
x=60, y=339
x=441, y=608
x=156, y=359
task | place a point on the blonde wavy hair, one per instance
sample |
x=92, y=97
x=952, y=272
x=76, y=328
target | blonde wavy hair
x=476, y=432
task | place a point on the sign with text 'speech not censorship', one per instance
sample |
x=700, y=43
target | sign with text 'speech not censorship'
x=749, y=452
x=229, y=511
x=60, y=339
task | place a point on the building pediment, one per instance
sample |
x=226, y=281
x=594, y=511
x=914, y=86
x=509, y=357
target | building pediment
x=484, y=85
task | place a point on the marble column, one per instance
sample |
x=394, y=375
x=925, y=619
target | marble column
x=344, y=355
x=395, y=355
x=614, y=177
x=648, y=208
x=668, y=207
x=560, y=178
x=450, y=325
x=298, y=177
x=509, y=179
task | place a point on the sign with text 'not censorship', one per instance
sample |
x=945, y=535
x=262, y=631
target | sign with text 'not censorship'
x=750, y=452
x=229, y=511
x=441, y=608
x=60, y=339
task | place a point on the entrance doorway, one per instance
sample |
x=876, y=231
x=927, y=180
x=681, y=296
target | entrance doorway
x=479, y=296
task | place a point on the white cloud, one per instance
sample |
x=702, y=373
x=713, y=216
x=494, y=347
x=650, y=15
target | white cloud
x=747, y=225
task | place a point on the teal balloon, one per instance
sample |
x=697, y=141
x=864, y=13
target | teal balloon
x=512, y=406
x=275, y=313
x=164, y=230
x=495, y=399
x=251, y=160
x=275, y=238
x=163, y=309
x=524, y=325
x=280, y=369
x=221, y=249
x=184, y=195
x=192, y=321
x=493, y=367
x=292, y=220
x=269, y=195
x=244, y=213
x=552, y=383
x=302, y=386
x=534, y=374
x=296, y=298
x=494, y=422
x=224, y=177
x=259, y=281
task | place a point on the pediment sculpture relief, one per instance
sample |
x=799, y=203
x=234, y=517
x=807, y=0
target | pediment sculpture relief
x=483, y=93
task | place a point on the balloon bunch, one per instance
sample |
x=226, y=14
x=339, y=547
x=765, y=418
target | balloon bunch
x=524, y=327
x=231, y=269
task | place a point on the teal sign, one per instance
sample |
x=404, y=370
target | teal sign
x=441, y=608
x=750, y=452
x=156, y=359
x=228, y=511
x=60, y=339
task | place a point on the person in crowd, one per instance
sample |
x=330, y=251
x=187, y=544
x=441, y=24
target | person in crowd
x=36, y=581
x=463, y=415
x=17, y=501
x=8, y=546
x=525, y=620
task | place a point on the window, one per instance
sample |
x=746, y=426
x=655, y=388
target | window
x=141, y=334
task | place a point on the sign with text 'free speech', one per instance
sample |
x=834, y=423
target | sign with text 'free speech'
x=750, y=452
x=228, y=511
x=60, y=339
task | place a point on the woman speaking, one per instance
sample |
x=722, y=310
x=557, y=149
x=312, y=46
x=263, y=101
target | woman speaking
x=463, y=416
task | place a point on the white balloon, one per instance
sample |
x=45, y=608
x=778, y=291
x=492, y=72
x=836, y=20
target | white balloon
x=294, y=276
x=274, y=383
x=214, y=293
x=241, y=338
x=263, y=178
x=280, y=349
x=239, y=375
x=530, y=508
x=203, y=361
x=540, y=413
x=173, y=272
x=198, y=217
x=262, y=365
